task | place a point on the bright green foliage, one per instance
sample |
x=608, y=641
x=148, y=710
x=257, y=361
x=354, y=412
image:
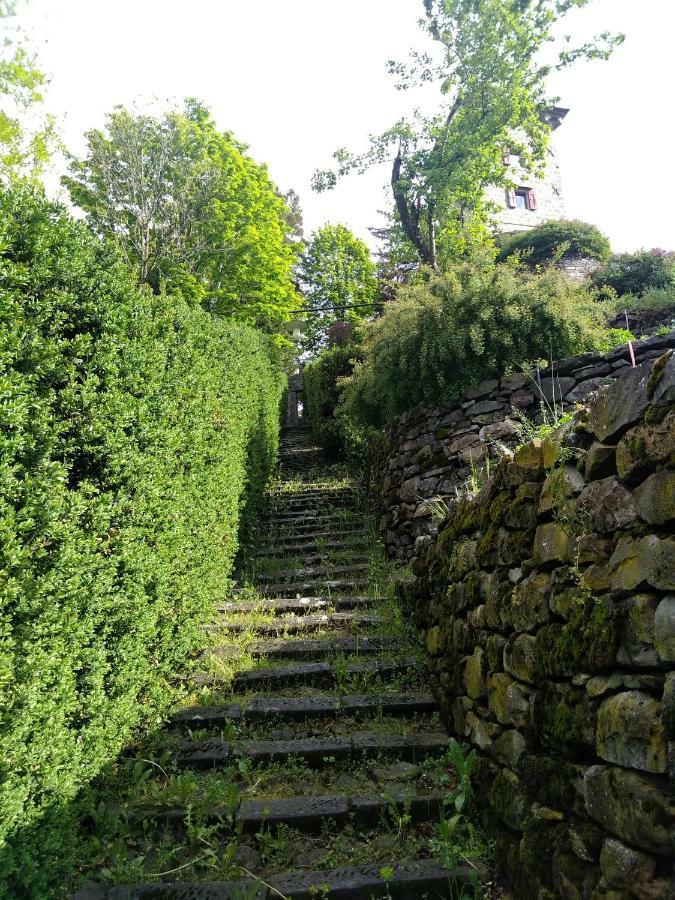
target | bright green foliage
x=24, y=150
x=190, y=209
x=635, y=273
x=555, y=239
x=337, y=276
x=135, y=428
x=322, y=395
x=493, y=97
x=470, y=324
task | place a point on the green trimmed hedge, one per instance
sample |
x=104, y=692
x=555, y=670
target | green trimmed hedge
x=540, y=245
x=136, y=430
x=322, y=394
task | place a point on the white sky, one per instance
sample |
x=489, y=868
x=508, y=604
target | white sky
x=295, y=79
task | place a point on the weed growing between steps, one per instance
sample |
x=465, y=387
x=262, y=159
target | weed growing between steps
x=156, y=822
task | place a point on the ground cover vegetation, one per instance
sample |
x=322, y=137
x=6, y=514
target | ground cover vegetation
x=137, y=428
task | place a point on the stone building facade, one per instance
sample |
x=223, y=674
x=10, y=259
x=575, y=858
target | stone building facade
x=533, y=200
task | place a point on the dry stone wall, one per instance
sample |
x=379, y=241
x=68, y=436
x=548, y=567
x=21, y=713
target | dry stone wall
x=547, y=603
x=432, y=453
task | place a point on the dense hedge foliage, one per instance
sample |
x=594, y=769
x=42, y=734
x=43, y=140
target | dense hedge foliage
x=472, y=323
x=635, y=273
x=322, y=395
x=544, y=242
x=129, y=423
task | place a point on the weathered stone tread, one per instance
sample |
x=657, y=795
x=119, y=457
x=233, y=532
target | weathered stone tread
x=408, y=881
x=298, y=708
x=303, y=648
x=296, y=604
x=293, y=624
x=314, y=750
x=317, y=673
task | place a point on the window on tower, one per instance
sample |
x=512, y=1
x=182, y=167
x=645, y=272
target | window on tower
x=522, y=198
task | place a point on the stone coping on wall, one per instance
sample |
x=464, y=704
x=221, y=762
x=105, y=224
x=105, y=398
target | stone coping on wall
x=430, y=453
x=547, y=603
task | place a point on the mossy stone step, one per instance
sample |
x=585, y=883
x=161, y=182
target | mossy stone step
x=297, y=605
x=313, y=551
x=310, y=533
x=316, y=673
x=315, y=751
x=317, y=585
x=308, y=814
x=399, y=881
x=304, y=648
x=327, y=573
x=298, y=708
x=294, y=624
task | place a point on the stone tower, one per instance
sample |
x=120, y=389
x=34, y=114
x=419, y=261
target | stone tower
x=534, y=200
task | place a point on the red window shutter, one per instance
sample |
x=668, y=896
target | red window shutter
x=511, y=199
x=532, y=199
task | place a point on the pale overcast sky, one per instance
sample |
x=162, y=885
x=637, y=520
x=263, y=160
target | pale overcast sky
x=295, y=79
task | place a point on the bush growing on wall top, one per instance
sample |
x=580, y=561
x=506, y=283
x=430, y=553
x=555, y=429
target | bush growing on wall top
x=464, y=326
x=636, y=273
x=130, y=423
x=543, y=243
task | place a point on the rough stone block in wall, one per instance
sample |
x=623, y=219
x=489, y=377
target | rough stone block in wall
x=548, y=605
x=430, y=453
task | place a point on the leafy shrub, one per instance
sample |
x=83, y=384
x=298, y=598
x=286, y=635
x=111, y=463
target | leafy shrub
x=545, y=242
x=129, y=425
x=635, y=273
x=322, y=394
x=470, y=324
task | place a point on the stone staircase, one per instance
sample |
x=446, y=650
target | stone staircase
x=313, y=753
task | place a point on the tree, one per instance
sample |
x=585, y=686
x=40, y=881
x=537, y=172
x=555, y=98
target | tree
x=24, y=145
x=190, y=209
x=493, y=84
x=337, y=278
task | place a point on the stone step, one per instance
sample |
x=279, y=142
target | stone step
x=405, y=881
x=315, y=586
x=309, y=550
x=295, y=624
x=363, y=645
x=279, y=606
x=308, y=814
x=312, y=536
x=299, y=708
x=311, y=574
x=318, y=674
x=317, y=501
x=315, y=751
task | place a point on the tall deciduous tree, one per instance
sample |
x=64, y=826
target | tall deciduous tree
x=492, y=79
x=26, y=136
x=337, y=278
x=190, y=208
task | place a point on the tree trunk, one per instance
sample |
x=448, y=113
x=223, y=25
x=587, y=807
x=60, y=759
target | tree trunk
x=410, y=218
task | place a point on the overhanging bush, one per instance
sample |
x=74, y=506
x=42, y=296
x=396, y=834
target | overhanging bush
x=129, y=424
x=635, y=273
x=322, y=395
x=470, y=324
x=543, y=243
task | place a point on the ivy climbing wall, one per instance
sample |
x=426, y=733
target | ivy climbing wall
x=547, y=603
